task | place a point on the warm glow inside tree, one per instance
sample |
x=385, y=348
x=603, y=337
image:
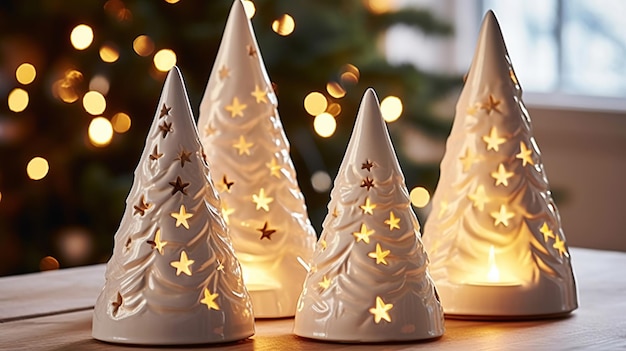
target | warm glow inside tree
x=249, y=154
x=494, y=233
x=173, y=277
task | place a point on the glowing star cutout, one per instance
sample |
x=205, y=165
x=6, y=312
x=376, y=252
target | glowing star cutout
x=335, y=213
x=236, y=108
x=251, y=50
x=381, y=310
x=546, y=231
x=181, y=217
x=393, y=221
x=142, y=207
x=493, y=140
x=479, y=198
x=367, y=183
x=259, y=95
x=367, y=165
x=182, y=265
x=209, y=130
x=363, y=234
x=157, y=243
x=165, y=128
x=491, y=104
x=323, y=244
x=224, y=72
x=226, y=212
x=226, y=185
x=178, y=185
x=220, y=266
x=262, y=201
x=560, y=246
x=274, y=167
x=164, y=111
x=242, y=146
x=468, y=159
x=379, y=254
x=325, y=283
x=117, y=304
x=525, y=154
x=183, y=157
x=502, y=176
x=502, y=216
x=155, y=155
x=209, y=300
x=266, y=232
x=368, y=207
x=443, y=208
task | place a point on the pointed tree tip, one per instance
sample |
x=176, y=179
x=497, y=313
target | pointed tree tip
x=369, y=97
x=490, y=19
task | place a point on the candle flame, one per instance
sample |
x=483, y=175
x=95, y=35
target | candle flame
x=493, y=275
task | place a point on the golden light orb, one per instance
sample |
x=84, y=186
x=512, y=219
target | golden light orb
x=25, y=73
x=420, y=197
x=109, y=53
x=284, y=25
x=37, y=168
x=391, y=108
x=100, y=84
x=249, y=7
x=100, y=132
x=335, y=90
x=315, y=103
x=18, y=100
x=379, y=6
x=325, y=125
x=121, y=122
x=164, y=60
x=143, y=45
x=94, y=102
x=81, y=37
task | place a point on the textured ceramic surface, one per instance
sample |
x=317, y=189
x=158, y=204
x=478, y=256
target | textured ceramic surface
x=369, y=280
x=250, y=163
x=173, y=277
x=494, y=235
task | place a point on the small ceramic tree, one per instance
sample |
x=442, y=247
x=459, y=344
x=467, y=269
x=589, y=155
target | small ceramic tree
x=173, y=277
x=369, y=280
x=249, y=155
x=494, y=235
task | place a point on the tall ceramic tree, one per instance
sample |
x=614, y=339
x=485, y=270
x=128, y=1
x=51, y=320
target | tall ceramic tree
x=494, y=221
x=173, y=277
x=369, y=279
x=249, y=154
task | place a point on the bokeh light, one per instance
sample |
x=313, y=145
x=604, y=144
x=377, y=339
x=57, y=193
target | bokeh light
x=18, y=100
x=325, y=125
x=100, y=84
x=121, y=122
x=81, y=37
x=109, y=53
x=48, y=263
x=100, y=132
x=164, y=60
x=315, y=103
x=0, y=197
x=94, y=103
x=250, y=8
x=350, y=74
x=25, y=73
x=284, y=26
x=335, y=90
x=66, y=88
x=171, y=1
x=391, y=108
x=143, y=45
x=37, y=168
x=420, y=197
x=320, y=180
x=75, y=245
x=379, y=6
x=334, y=109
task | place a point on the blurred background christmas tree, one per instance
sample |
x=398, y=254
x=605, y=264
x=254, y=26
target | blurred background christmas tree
x=79, y=101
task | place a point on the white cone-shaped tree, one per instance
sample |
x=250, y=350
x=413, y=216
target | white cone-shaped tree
x=494, y=221
x=369, y=280
x=173, y=277
x=249, y=156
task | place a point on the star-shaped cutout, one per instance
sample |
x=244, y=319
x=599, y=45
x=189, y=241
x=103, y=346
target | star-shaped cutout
x=325, y=283
x=178, y=185
x=379, y=255
x=262, y=201
x=224, y=72
x=335, y=213
x=259, y=95
x=367, y=183
x=274, y=167
x=491, y=104
x=183, y=157
x=226, y=212
x=381, y=310
x=141, y=207
x=479, y=198
x=226, y=184
x=560, y=246
x=181, y=217
x=242, y=146
x=546, y=231
x=367, y=165
x=128, y=242
x=209, y=300
x=502, y=216
x=363, y=234
x=209, y=130
x=251, y=50
x=493, y=140
x=472, y=109
x=468, y=159
x=220, y=266
x=368, y=207
x=117, y=304
x=164, y=111
x=182, y=265
x=501, y=175
x=323, y=244
x=525, y=154
x=393, y=221
x=236, y=108
x=443, y=208
x=266, y=232
x=155, y=155
x=165, y=128
x=157, y=243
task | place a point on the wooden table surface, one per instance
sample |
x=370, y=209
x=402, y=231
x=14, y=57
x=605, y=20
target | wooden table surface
x=53, y=310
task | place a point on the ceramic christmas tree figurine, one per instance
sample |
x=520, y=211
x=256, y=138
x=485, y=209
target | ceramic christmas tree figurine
x=494, y=235
x=249, y=156
x=369, y=280
x=173, y=277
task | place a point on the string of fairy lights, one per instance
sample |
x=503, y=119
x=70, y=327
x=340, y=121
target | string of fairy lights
x=324, y=106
